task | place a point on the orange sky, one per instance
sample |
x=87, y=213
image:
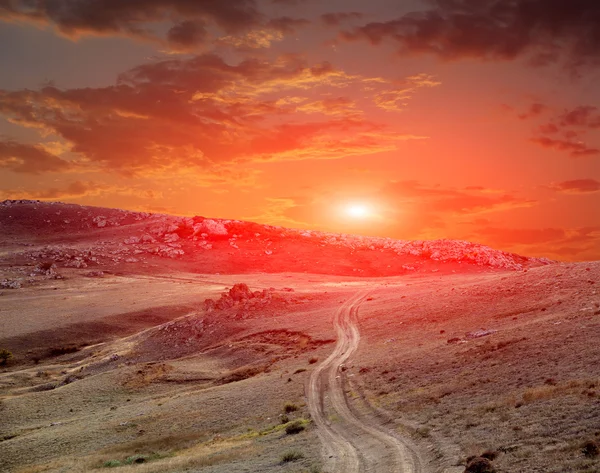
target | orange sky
x=445, y=118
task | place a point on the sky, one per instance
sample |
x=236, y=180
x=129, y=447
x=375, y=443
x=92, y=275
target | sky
x=420, y=119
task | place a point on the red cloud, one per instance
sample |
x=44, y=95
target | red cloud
x=577, y=186
x=575, y=148
x=583, y=116
x=200, y=113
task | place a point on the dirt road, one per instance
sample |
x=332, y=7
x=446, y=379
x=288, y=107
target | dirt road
x=353, y=443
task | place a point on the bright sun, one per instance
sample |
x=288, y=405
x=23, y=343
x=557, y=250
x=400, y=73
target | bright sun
x=357, y=211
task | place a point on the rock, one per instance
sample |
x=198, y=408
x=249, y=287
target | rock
x=480, y=333
x=8, y=284
x=171, y=238
x=240, y=292
x=209, y=305
x=210, y=227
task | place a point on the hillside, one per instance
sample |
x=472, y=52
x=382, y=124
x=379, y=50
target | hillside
x=90, y=237
x=152, y=343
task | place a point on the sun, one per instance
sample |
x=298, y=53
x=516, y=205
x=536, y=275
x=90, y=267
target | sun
x=357, y=211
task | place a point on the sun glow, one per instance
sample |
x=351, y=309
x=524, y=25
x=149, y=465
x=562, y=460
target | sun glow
x=357, y=211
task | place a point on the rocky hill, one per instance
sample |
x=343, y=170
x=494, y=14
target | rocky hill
x=51, y=235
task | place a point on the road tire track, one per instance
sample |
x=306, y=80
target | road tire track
x=352, y=442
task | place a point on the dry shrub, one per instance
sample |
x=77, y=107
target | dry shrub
x=479, y=465
x=294, y=427
x=590, y=449
x=291, y=456
x=539, y=393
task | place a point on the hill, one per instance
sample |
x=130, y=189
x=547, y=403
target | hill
x=90, y=237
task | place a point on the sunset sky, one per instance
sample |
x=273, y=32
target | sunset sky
x=412, y=119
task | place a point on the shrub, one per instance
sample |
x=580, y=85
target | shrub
x=58, y=351
x=294, y=427
x=479, y=465
x=135, y=459
x=590, y=449
x=5, y=355
x=313, y=360
x=284, y=419
x=490, y=455
x=111, y=463
x=290, y=407
x=291, y=456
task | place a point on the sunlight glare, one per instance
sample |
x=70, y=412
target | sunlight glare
x=357, y=211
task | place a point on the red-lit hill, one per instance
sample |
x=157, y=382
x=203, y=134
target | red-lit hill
x=117, y=240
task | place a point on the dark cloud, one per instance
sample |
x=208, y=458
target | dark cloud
x=187, y=35
x=29, y=159
x=141, y=19
x=577, y=186
x=544, y=31
x=337, y=18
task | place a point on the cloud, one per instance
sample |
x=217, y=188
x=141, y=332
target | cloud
x=202, y=112
x=577, y=186
x=78, y=189
x=396, y=98
x=330, y=106
x=543, y=31
x=566, y=130
x=582, y=116
x=449, y=201
x=582, y=243
x=75, y=189
x=29, y=159
x=535, y=110
x=188, y=21
x=576, y=149
x=336, y=18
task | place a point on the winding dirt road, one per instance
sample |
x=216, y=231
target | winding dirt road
x=353, y=443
